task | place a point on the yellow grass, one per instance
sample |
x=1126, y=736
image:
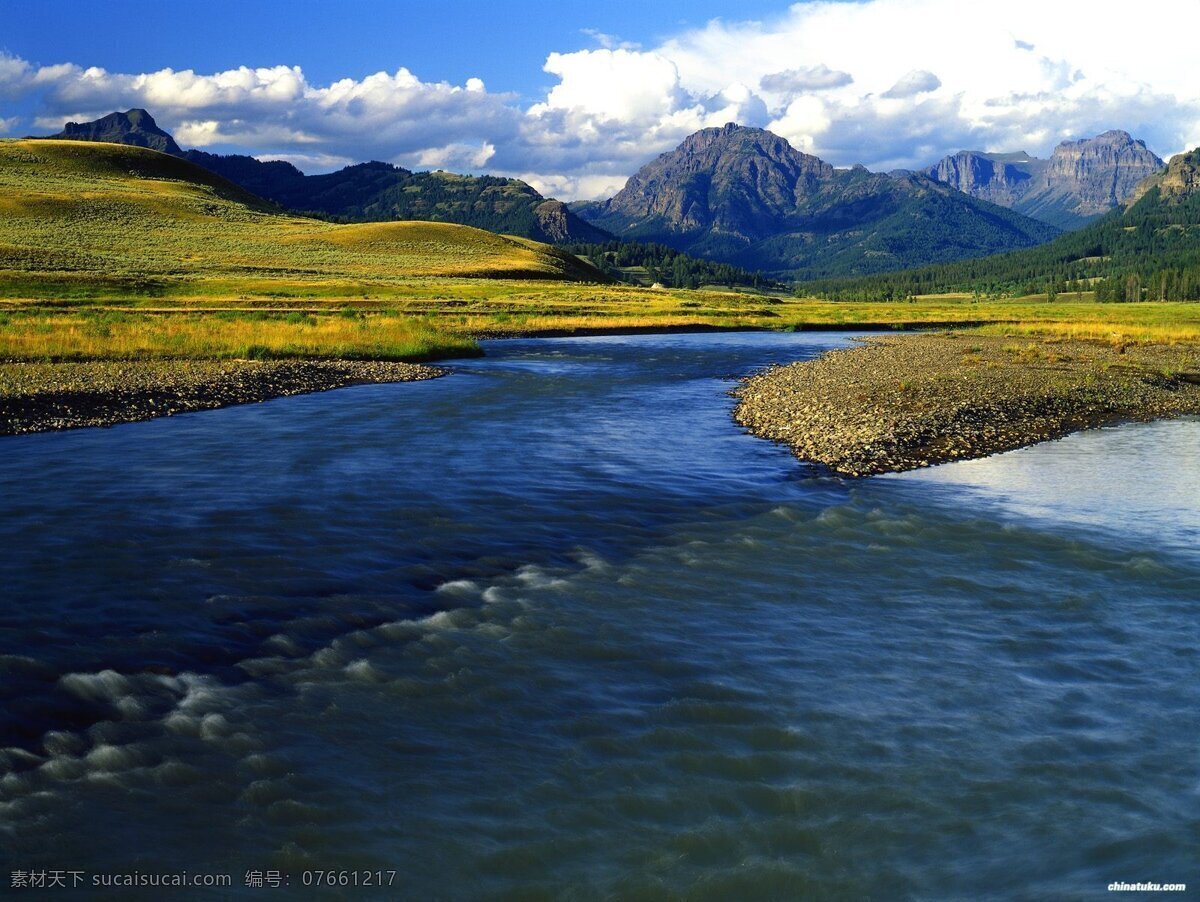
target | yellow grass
x=73, y=337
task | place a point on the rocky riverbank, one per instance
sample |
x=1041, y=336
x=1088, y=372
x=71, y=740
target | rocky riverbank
x=902, y=402
x=38, y=397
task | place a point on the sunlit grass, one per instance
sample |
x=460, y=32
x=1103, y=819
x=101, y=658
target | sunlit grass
x=216, y=336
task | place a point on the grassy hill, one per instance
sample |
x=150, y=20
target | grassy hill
x=86, y=220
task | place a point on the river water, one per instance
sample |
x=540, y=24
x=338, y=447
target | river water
x=554, y=626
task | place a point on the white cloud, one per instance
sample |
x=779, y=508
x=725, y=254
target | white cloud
x=912, y=83
x=459, y=157
x=622, y=85
x=276, y=111
x=583, y=187
x=804, y=78
x=609, y=41
x=889, y=83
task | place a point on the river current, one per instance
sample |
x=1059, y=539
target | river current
x=554, y=627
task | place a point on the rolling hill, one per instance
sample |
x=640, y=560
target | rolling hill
x=83, y=219
x=745, y=196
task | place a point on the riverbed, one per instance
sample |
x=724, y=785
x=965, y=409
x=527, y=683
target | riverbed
x=556, y=626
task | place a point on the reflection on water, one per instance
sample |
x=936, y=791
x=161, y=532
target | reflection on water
x=555, y=626
x=1142, y=480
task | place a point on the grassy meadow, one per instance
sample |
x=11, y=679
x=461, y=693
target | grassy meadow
x=113, y=252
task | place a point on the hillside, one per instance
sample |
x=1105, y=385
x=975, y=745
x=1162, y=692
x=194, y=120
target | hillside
x=381, y=192
x=1081, y=181
x=366, y=192
x=1147, y=250
x=89, y=219
x=745, y=196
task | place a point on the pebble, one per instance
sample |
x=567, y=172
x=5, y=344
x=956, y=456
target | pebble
x=904, y=402
x=41, y=397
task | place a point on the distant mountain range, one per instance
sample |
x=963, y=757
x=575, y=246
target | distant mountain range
x=734, y=194
x=1147, y=250
x=746, y=196
x=1081, y=180
x=367, y=192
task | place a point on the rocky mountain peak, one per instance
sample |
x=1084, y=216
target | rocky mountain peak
x=998, y=178
x=735, y=179
x=1081, y=180
x=746, y=196
x=135, y=127
x=1102, y=171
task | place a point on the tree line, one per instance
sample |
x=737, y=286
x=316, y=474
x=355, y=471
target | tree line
x=667, y=266
x=1150, y=251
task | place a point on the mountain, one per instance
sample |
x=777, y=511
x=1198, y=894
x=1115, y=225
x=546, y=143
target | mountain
x=747, y=197
x=1081, y=180
x=999, y=178
x=135, y=127
x=1148, y=249
x=366, y=192
x=99, y=219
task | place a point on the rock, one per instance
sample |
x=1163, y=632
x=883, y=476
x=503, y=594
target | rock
x=136, y=127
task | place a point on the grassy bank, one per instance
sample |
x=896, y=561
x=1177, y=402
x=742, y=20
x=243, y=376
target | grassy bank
x=109, y=335
x=443, y=319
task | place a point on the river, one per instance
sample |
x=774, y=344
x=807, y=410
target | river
x=554, y=626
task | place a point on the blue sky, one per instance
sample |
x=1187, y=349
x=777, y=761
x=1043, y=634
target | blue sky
x=574, y=97
x=438, y=41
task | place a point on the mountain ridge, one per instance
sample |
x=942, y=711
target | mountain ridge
x=1081, y=180
x=1149, y=249
x=746, y=196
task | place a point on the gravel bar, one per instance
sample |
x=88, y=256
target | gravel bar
x=902, y=402
x=40, y=397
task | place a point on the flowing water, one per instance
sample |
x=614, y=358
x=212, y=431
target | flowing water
x=554, y=626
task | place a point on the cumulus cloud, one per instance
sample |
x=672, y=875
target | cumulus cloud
x=806, y=78
x=277, y=111
x=912, y=83
x=850, y=82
